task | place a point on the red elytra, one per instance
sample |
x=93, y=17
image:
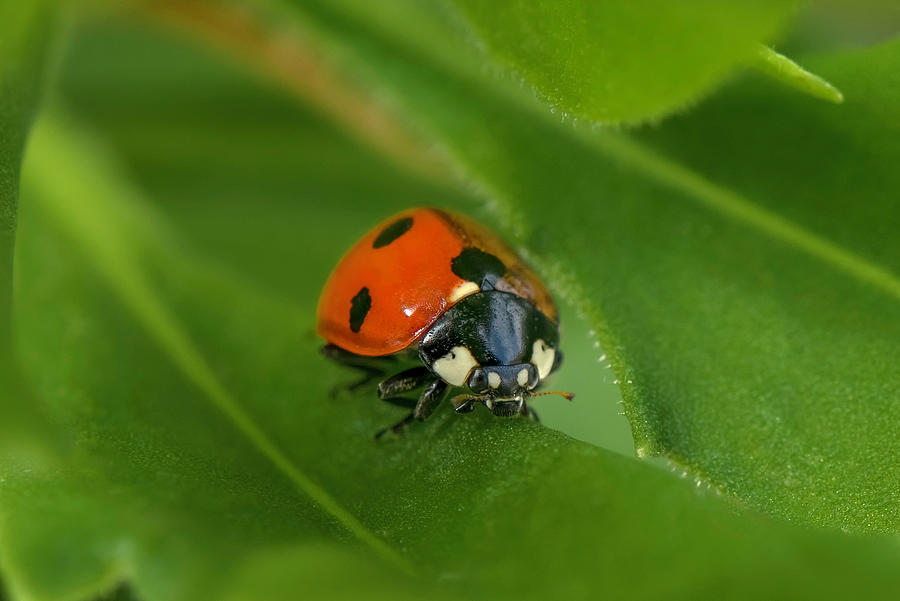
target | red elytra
x=393, y=284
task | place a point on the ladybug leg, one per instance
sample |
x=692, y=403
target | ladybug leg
x=428, y=401
x=464, y=403
x=403, y=382
x=529, y=412
x=396, y=428
x=372, y=367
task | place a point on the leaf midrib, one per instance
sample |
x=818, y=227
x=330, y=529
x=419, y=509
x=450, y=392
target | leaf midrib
x=59, y=150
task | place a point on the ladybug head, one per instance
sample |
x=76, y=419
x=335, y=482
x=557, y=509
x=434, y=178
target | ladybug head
x=497, y=345
x=503, y=381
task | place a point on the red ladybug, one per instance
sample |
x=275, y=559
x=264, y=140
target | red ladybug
x=436, y=286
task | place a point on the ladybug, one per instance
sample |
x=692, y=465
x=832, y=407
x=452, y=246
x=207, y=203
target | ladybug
x=438, y=288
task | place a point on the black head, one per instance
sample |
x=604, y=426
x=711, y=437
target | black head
x=494, y=343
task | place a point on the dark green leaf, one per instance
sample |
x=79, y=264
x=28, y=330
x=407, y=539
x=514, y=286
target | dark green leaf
x=23, y=32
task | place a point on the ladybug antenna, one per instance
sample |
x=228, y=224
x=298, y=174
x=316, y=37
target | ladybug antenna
x=566, y=395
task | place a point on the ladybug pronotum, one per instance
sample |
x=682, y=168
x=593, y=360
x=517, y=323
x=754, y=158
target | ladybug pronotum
x=436, y=286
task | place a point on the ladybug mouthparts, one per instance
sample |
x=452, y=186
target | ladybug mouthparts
x=507, y=407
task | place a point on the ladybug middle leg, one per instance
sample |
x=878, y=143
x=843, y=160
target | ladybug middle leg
x=404, y=382
x=372, y=367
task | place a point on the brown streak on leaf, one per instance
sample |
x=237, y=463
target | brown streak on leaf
x=304, y=71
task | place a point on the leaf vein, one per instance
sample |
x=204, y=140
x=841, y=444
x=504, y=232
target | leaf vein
x=733, y=205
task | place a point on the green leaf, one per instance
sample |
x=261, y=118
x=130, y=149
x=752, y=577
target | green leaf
x=828, y=173
x=620, y=61
x=753, y=332
x=170, y=487
x=782, y=68
x=322, y=571
x=734, y=329
x=173, y=342
x=23, y=32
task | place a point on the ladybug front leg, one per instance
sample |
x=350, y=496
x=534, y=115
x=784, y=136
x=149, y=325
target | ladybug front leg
x=529, y=412
x=430, y=399
x=427, y=403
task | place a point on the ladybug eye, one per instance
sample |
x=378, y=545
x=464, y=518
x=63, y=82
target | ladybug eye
x=478, y=381
x=533, y=379
x=527, y=377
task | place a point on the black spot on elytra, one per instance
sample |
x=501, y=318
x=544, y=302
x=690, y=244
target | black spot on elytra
x=475, y=265
x=359, y=308
x=392, y=232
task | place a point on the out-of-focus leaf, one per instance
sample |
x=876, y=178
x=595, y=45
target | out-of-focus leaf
x=623, y=62
x=784, y=69
x=829, y=25
x=754, y=335
x=23, y=39
x=201, y=415
x=25, y=31
x=322, y=571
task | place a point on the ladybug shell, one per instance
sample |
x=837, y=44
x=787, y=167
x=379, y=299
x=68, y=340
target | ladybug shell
x=391, y=287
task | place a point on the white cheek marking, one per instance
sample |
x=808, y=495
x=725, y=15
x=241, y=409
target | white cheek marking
x=454, y=367
x=464, y=289
x=493, y=379
x=522, y=377
x=542, y=356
